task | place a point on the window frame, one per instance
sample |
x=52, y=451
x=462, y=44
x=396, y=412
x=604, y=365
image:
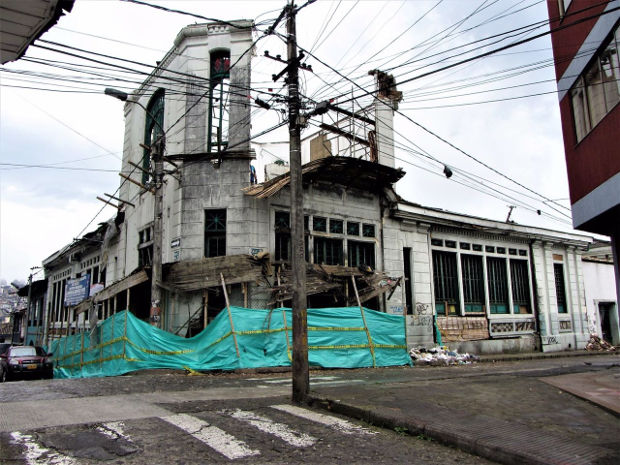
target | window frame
x=218, y=234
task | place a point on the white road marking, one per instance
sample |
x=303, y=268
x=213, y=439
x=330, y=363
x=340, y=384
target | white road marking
x=342, y=381
x=212, y=436
x=280, y=430
x=113, y=430
x=38, y=455
x=343, y=426
x=278, y=381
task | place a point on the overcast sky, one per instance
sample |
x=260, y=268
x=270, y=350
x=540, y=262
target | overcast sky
x=501, y=110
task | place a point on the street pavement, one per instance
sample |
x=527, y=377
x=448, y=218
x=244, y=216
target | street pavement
x=542, y=411
x=528, y=410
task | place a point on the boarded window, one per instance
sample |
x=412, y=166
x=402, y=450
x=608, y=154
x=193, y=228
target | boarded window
x=215, y=233
x=560, y=288
x=446, y=283
x=497, y=279
x=520, y=286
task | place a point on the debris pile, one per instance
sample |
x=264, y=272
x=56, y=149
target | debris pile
x=440, y=356
x=597, y=344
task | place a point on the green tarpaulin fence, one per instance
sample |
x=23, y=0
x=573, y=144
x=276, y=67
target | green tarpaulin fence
x=246, y=338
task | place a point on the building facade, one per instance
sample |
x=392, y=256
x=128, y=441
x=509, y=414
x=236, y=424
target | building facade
x=586, y=40
x=476, y=284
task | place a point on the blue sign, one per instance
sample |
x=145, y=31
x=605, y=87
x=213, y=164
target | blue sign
x=77, y=290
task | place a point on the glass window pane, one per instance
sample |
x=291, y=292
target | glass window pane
x=611, y=75
x=336, y=226
x=319, y=223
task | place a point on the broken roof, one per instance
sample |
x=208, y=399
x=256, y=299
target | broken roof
x=347, y=171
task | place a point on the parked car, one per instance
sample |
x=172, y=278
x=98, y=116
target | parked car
x=25, y=361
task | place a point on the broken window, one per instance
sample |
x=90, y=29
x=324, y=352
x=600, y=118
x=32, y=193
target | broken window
x=497, y=279
x=560, y=288
x=368, y=230
x=145, y=247
x=361, y=253
x=219, y=79
x=520, y=286
x=353, y=229
x=319, y=224
x=153, y=130
x=215, y=233
x=473, y=283
x=446, y=283
x=336, y=226
x=328, y=251
x=283, y=236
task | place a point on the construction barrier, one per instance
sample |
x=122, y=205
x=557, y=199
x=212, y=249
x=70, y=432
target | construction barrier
x=348, y=337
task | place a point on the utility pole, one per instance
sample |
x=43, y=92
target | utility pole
x=301, y=377
x=156, y=274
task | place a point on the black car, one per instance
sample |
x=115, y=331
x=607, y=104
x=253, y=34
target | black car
x=25, y=361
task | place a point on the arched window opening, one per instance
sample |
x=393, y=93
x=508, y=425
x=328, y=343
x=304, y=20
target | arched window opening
x=153, y=130
x=217, y=139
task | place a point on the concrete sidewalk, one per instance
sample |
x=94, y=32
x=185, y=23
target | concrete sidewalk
x=512, y=418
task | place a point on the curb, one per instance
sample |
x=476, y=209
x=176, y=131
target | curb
x=485, y=445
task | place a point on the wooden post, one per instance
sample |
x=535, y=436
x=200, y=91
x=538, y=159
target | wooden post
x=372, y=349
x=232, y=326
x=285, y=324
x=244, y=288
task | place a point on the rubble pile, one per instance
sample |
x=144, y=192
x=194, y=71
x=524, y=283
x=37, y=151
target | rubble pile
x=440, y=356
x=597, y=344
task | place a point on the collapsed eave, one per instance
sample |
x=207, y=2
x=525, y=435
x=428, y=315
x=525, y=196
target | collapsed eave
x=345, y=171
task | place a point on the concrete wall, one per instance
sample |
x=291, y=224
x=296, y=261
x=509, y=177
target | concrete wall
x=600, y=288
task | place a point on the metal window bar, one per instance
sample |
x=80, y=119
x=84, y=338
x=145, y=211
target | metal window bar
x=520, y=286
x=445, y=281
x=473, y=283
x=560, y=287
x=497, y=281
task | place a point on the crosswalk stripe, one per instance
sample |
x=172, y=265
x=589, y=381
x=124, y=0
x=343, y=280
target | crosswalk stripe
x=212, y=436
x=37, y=454
x=280, y=430
x=338, y=424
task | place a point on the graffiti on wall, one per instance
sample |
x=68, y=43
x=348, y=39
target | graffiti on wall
x=422, y=315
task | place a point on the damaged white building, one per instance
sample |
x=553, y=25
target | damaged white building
x=478, y=285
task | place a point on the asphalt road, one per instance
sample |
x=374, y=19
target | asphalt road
x=172, y=418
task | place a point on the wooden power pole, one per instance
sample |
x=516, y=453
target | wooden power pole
x=301, y=378
x=156, y=273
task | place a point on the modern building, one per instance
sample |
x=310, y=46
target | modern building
x=586, y=40
x=478, y=284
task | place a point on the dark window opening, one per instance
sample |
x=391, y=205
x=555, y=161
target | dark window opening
x=353, y=229
x=473, y=283
x=437, y=242
x=368, y=230
x=328, y=251
x=215, y=233
x=361, y=253
x=319, y=224
x=560, y=288
x=407, y=276
x=336, y=226
x=520, y=286
x=497, y=279
x=283, y=236
x=446, y=283
x=217, y=138
x=153, y=131
x=145, y=248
